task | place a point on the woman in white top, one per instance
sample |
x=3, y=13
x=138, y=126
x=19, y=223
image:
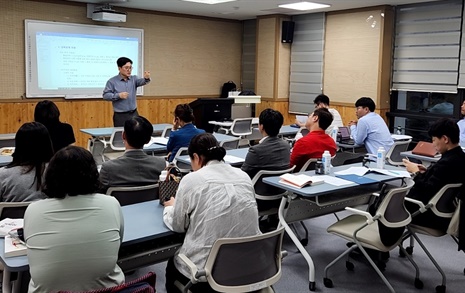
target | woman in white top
x=214, y=201
x=73, y=236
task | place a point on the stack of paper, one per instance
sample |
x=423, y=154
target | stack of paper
x=7, y=224
x=360, y=171
x=14, y=247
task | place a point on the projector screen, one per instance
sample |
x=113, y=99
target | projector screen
x=74, y=60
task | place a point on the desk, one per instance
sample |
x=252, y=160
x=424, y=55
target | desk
x=229, y=123
x=238, y=153
x=423, y=159
x=107, y=131
x=7, y=140
x=5, y=160
x=287, y=130
x=322, y=199
x=146, y=241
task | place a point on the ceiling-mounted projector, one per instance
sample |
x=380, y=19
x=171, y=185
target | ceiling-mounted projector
x=109, y=16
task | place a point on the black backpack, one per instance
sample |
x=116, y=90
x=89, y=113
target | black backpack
x=227, y=87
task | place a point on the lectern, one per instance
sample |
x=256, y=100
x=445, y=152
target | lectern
x=206, y=109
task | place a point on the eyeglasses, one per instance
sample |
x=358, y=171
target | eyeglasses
x=127, y=67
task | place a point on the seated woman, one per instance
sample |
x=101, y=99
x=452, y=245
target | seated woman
x=184, y=130
x=22, y=178
x=47, y=113
x=73, y=236
x=214, y=201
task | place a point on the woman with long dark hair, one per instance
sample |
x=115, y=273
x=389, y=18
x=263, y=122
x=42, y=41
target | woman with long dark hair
x=21, y=179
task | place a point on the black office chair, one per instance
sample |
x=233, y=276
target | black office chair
x=127, y=195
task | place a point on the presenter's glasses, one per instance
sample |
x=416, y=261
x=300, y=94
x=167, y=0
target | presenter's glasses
x=127, y=67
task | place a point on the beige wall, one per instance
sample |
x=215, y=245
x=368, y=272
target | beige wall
x=186, y=55
x=357, y=55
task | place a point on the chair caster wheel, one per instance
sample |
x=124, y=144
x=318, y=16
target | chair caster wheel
x=349, y=266
x=304, y=242
x=409, y=250
x=328, y=283
x=311, y=286
x=418, y=283
x=441, y=289
x=401, y=253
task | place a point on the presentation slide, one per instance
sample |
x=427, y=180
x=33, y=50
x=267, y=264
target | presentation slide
x=75, y=61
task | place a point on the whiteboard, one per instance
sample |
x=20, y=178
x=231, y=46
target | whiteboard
x=76, y=60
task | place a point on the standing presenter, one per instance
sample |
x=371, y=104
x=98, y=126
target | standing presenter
x=121, y=91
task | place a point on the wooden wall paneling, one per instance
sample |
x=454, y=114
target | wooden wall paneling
x=265, y=60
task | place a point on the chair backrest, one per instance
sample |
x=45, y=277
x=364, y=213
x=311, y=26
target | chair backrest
x=265, y=191
x=166, y=132
x=183, y=167
x=241, y=127
x=230, y=144
x=309, y=165
x=127, y=195
x=239, y=264
x=302, y=130
x=116, y=139
x=443, y=202
x=393, y=156
x=13, y=209
x=392, y=210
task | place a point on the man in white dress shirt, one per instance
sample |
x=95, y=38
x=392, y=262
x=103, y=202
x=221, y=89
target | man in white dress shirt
x=461, y=125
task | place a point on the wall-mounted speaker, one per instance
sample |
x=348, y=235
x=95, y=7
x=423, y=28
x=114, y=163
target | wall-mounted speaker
x=287, y=32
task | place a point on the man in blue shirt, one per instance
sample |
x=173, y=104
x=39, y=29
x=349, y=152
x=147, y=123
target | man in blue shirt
x=121, y=90
x=370, y=129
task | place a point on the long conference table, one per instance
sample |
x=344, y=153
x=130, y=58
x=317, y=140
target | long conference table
x=322, y=199
x=146, y=241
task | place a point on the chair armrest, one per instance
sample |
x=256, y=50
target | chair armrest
x=370, y=218
x=375, y=194
x=422, y=206
x=194, y=277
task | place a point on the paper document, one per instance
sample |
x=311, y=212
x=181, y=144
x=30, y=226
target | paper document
x=7, y=224
x=334, y=180
x=233, y=159
x=400, y=136
x=360, y=171
x=160, y=140
x=301, y=118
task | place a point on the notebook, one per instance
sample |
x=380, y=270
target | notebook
x=345, y=135
x=426, y=149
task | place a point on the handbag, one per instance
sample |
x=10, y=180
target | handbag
x=169, y=186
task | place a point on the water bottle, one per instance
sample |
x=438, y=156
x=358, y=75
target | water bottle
x=326, y=160
x=399, y=129
x=334, y=133
x=380, y=157
x=163, y=175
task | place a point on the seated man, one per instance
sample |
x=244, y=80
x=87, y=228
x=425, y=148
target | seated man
x=322, y=101
x=271, y=153
x=134, y=168
x=449, y=169
x=461, y=125
x=370, y=130
x=316, y=142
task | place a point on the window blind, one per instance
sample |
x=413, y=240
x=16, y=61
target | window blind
x=306, y=62
x=427, y=46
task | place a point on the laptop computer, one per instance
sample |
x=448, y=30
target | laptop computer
x=426, y=149
x=345, y=135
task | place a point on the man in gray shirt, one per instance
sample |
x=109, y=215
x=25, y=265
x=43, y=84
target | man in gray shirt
x=121, y=90
x=134, y=168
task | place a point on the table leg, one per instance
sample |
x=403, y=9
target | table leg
x=6, y=284
x=16, y=286
x=284, y=205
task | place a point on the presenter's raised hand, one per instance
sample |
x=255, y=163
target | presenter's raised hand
x=123, y=95
x=147, y=74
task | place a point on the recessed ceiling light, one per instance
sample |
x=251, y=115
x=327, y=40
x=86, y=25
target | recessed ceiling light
x=209, y=1
x=304, y=6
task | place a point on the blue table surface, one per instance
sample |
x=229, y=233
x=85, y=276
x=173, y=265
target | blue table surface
x=107, y=131
x=142, y=222
x=325, y=188
x=5, y=160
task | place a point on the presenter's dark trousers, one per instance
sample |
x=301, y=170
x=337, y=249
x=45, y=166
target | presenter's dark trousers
x=120, y=117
